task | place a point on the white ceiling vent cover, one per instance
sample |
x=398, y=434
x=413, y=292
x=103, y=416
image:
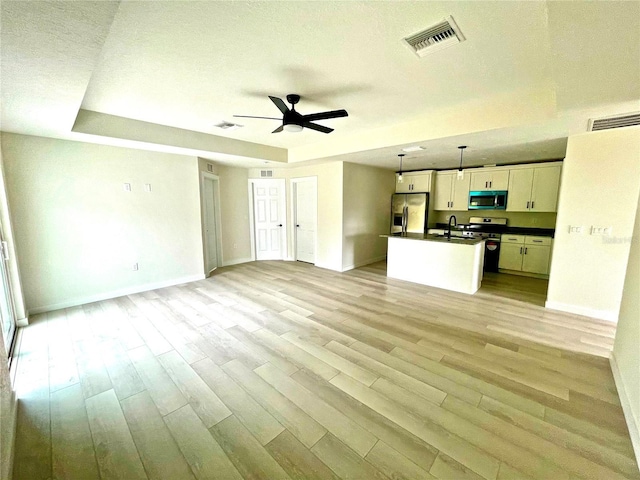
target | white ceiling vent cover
x=617, y=121
x=436, y=37
x=266, y=173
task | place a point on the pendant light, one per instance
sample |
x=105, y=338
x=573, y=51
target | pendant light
x=400, y=174
x=460, y=171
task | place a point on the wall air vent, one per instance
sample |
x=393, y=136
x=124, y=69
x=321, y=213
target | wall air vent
x=266, y=173
x=616, y=121
x=436, y=37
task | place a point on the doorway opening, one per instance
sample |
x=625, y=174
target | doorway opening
x=211, y=229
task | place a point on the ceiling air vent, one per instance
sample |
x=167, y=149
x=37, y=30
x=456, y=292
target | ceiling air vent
x=617, y=121
x=436, y=37
x=266, y=173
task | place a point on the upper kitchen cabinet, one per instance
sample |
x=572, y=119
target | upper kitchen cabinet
x=489, y=179
x=534, y=189
x=414, y=182
x=452, y=193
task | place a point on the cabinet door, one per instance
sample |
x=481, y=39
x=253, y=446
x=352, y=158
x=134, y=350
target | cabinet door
x=510, y=256
x=405, y=186
x=480, y=181
x=544, y=194
x=519, y=195
x=460, y=192
x=536, y=259
x=499, y=180
x=442, y=197
x=421, y=182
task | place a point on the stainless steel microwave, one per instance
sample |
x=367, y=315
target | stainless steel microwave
x=488, y=200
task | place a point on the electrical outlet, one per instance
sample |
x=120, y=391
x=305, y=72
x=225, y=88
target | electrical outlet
x=135, y=267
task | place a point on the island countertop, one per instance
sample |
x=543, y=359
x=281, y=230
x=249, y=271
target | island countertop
x=453, y=264
x=435, y=238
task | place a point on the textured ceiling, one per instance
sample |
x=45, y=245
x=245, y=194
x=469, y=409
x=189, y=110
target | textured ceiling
x=528, y=75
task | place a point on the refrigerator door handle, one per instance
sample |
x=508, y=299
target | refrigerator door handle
x=405, y=214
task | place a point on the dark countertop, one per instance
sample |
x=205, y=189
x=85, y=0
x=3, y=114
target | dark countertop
x=542, y=232
x=435, y=238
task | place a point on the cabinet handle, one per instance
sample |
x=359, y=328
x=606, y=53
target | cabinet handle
x=532, y=203
x=537, y=241
x=525, y=250
x=486, y=184
x=528, y=205
x=490, y=183
x=520, y=250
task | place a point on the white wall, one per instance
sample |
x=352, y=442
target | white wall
x=329, y=235
x=367, y=209
x=600, y=185
x=80, y=232
x=8, y=409
x=626, y=348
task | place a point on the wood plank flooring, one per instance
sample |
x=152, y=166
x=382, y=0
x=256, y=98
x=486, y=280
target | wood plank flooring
x=278, y=370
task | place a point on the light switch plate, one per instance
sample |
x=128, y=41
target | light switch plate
x=127, y=187
x=575, y=229
x=147, y=187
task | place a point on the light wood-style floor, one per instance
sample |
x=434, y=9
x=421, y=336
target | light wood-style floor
x=277, y=370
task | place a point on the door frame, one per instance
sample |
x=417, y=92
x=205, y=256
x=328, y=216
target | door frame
x=252, y=230
x=216, y=213
x=293, y=187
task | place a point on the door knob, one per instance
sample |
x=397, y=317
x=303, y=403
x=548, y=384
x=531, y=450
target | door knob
x=297, y=225
x=279, y=224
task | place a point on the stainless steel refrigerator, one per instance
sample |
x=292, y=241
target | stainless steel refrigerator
x=409, y=212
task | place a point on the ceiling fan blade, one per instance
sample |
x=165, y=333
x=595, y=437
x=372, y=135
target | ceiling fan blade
x=280, y=104
x=248, y=116
x=279, y=129
x=315, y=126
x=312, y=117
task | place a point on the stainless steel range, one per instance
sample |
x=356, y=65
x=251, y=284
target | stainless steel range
x=490, y=229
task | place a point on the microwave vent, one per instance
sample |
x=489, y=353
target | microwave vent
x=617, y=121
x=436, y=37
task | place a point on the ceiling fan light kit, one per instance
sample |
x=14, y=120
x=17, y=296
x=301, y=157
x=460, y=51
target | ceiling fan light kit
x=293, y=121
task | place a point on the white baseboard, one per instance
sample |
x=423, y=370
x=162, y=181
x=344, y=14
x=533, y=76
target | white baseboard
x=625, y=400
x=587, y=312
x=237, y=261
x=363, y=263
x=114, y=293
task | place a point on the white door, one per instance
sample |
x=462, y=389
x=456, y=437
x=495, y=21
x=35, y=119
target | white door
x=305, y=218
x=7, y=317
x=210, y=225
x=269, y=220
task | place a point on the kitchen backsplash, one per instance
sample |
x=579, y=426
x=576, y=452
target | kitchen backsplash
x=515, y=219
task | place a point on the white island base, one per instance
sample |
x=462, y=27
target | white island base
x=452, y=265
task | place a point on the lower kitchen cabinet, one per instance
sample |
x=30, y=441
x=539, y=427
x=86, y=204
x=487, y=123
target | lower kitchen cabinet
x=525, y=253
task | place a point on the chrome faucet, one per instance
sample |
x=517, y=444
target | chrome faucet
x=455, y=224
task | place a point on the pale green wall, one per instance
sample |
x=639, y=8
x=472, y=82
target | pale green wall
x=626, y=348
x=367, y=209
x=80, y=232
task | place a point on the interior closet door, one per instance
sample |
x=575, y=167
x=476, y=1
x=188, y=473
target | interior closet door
x=305, y=218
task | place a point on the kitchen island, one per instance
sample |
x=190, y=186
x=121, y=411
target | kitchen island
x=435, y=260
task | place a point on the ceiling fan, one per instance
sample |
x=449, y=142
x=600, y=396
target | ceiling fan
x=292, y=121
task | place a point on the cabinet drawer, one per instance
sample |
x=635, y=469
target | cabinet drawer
x=506, y=238
x=529, y=240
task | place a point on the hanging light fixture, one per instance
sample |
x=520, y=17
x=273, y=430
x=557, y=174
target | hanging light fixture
x=400, y=174
x=460, y=171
